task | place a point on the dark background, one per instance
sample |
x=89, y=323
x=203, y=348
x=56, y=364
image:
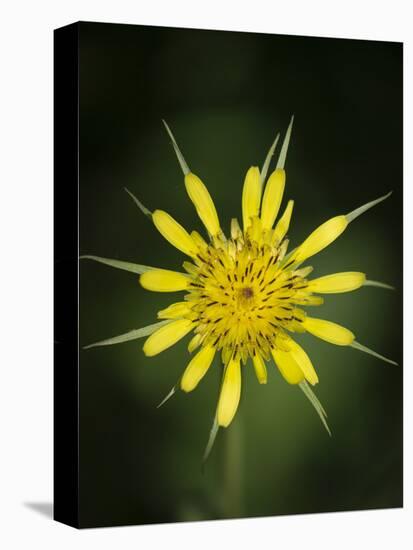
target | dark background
x=225, y=96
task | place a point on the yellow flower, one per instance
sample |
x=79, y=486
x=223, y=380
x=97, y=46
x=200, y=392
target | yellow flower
x=243, y=294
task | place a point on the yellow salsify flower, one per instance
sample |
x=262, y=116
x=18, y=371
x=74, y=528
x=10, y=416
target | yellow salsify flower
x=244, y=295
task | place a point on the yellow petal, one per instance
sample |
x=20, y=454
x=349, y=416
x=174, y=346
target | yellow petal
x=230, y=393
x=260, y=368
x=180, y=309
x=194, y=342
x=303, y=361
x=251, y=195
x=283, y=223
x=163, y=280
x=236, y=232
x=203, y=203
x=288, y=366
x=337, y=282
x=254, y=230
x=198, y=240
x=328, y=331
x=321, y=237
x=174, y=233
x=308, y=299
x=191, y=268
x=197, y=368
x=272, y=198
x=166, y=336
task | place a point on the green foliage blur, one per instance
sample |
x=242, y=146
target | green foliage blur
x=225, y=96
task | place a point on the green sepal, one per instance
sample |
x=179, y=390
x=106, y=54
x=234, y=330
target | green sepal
x=182, y=163
x=266, y=165
x=360, y=347
x=284, y=148
x=308, y=392
x=119, y=264
x=378, y=284
x=138, y=203
x=131, y=335
x=211, y=440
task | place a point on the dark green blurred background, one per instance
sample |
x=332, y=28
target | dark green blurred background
x=225, y=95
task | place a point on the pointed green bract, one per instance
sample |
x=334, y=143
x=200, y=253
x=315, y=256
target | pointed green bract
x=360, y=347
x=131, y=335
x=119, y=264
x=361, y=209
x=284, y=148
x=167, y=397
x=308, y=392
x=180, y=157
x=267, y=161
x=211, y=439
x=139, y=204
x=367, y=282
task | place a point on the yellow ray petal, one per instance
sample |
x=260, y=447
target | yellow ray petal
x=251, y=195
x=337, y=282
x=236, y=232
x=199, y=195
x=320, y=238
x=167, y=336
x=328, y=232
x=230, y=393
x=272, y=198
x=260, y=368
x=303, y=361
x=199, y=240
x=174, y=311
x=174, y=233
x=190, y=268
x=328, y=331
x=254, y=230
x=288, y=366
x=308, y=299
x=194, y=342
x=197, y=368
x=164, y=280
x=304, y=271
x=283, y=223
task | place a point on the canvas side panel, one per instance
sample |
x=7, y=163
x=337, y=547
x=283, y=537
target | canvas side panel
x=66, y=285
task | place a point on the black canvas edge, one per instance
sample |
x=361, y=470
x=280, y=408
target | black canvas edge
x=66, y=280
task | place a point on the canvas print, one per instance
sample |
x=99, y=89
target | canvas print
x=240, y=275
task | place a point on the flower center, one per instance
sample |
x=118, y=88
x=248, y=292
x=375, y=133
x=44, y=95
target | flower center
x=242, y=297
x=246, y=293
